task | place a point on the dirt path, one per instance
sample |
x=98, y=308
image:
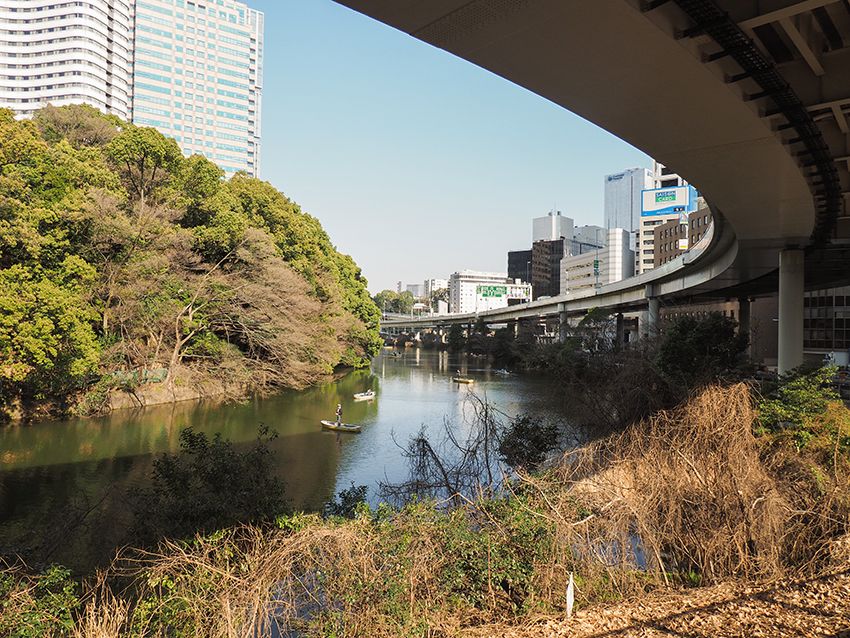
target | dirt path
x=818, y=607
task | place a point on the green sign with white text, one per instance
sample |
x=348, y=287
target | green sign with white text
x=492, y=291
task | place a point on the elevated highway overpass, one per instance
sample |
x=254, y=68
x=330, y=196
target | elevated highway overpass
x=749, y=100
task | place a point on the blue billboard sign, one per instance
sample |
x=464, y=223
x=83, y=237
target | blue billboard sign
x=668, y=201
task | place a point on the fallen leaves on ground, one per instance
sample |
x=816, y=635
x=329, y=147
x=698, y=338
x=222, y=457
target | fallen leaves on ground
x=818, y=607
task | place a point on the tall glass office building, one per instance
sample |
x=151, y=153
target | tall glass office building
x=191, y=68
x=197, y=77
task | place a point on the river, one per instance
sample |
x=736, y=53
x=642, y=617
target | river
x=64, y=484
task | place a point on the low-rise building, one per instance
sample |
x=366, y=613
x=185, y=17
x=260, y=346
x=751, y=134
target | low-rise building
x=613, y=262
x=474, y=291
x=674, y=237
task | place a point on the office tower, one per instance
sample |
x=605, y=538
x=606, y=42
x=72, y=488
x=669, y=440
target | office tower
x=519, y=265
x=611, y=263
x=663, y=177
x=198, y=77
x=623, y=199
x=551, y=227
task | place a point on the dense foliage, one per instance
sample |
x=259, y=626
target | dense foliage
x=118, y=257
x=207, y=485
x=391, y=301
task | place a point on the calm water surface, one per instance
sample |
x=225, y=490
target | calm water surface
x=63, y=484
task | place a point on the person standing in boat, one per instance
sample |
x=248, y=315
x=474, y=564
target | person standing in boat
x=338, y=413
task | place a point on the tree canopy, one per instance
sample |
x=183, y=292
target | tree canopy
x=118, y=255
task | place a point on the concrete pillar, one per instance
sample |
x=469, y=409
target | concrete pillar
x=620, y=339
x=516, y=329
x=468, y=330
x=791, y=288
x=562, y=323
x=653, y=315
x=745, y=322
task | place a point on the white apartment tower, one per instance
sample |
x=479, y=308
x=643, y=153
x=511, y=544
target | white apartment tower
x=192, y=69
x=66, y=53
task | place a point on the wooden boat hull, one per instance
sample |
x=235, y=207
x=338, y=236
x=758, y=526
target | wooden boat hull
x=341, y=427
x=463, y=380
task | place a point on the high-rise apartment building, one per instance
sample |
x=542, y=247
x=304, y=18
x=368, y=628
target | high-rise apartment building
x=623, y=199
x=197, y=77
x=192, y=69
x=66, y=53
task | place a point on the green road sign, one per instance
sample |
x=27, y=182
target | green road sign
x=492, y=291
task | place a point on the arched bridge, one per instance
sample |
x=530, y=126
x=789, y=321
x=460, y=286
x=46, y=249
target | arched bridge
x=749, y=100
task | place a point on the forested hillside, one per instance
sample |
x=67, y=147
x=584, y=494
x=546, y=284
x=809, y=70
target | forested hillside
x=122, y=262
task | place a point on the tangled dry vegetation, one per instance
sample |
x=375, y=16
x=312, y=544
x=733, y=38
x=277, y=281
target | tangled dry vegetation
x=688, y=497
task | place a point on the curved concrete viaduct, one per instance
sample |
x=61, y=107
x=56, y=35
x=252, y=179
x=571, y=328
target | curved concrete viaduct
x=747, y=99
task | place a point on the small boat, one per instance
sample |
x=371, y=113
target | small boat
x=340, y=427
x=502, y=371
x=465, y=380
x=365, y=396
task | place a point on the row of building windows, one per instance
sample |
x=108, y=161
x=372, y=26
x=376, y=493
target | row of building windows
x=108, y=27
x=63, y=5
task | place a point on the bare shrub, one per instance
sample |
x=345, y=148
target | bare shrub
x=688, y=492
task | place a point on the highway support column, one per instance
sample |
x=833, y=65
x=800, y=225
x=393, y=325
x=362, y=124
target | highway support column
x=745, y=321
x=562, y=323
x=791, y=289
x=620, y=339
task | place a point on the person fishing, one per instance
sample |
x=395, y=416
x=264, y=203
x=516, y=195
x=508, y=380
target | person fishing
x=338, y=413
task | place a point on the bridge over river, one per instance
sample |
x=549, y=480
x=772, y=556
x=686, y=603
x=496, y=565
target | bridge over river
x=748, y=100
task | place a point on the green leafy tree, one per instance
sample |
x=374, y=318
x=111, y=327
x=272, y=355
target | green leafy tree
x=456, y=339
x=145, y=159
x=799, y=395
x=79, y=124
x=47, y=340
x=209, y=484
x=696, y=350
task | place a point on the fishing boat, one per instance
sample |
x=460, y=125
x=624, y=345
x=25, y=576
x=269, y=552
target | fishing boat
x=465, y=380
x=365, y=396
x=502, y=371
x=340, y=427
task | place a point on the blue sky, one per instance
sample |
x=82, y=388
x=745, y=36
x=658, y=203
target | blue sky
x=417, y=163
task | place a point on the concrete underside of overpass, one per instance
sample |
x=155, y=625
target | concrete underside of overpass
x=703, y=87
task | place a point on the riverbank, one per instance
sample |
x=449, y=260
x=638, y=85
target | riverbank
x=692, y=509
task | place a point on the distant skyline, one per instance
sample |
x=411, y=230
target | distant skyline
x=417, y=163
